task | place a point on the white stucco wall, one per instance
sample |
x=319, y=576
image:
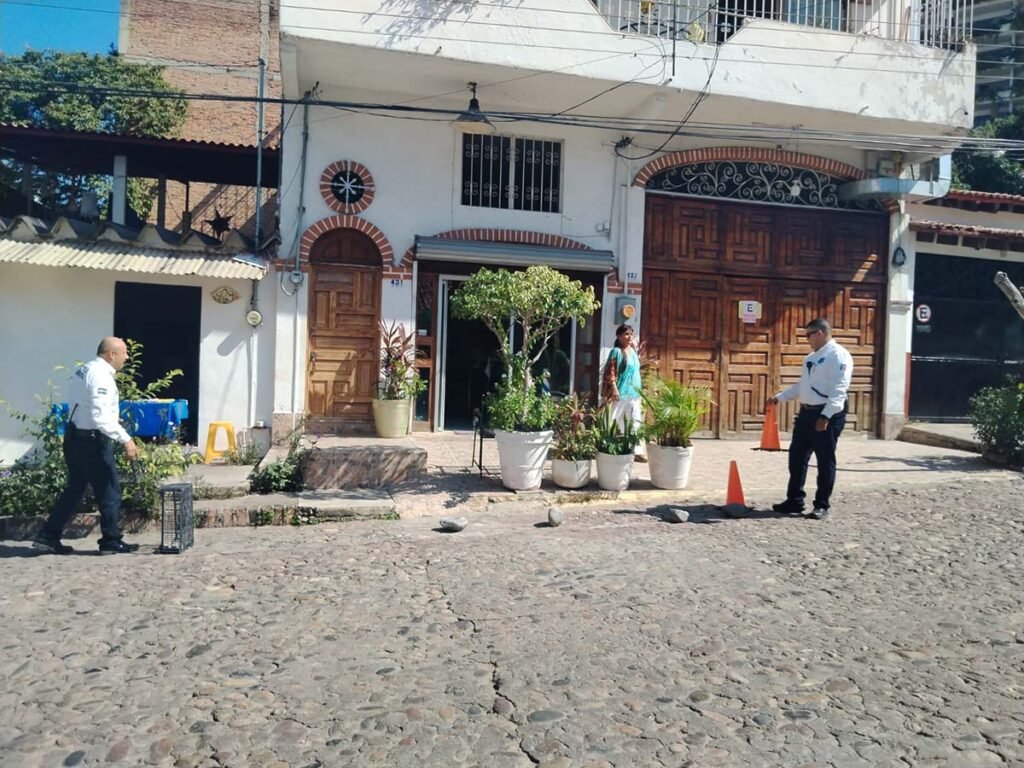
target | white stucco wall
x=56, y=316
x=864, y=78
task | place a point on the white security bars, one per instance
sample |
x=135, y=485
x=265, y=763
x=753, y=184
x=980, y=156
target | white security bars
x=933, y=23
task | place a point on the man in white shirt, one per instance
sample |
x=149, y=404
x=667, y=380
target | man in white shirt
x=93, y=429
x=822, y=390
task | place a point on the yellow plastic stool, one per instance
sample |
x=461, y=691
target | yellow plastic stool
x=211, y=439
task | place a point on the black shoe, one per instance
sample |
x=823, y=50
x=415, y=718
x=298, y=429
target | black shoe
x=51, y=547
x=819, y=513
x=788, y=507
x=117, y=548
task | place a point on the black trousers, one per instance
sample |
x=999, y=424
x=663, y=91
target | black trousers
x=807, y=440
x=90, y=460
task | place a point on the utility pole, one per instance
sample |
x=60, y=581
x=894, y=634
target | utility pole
x=1011, y=291
x=259, y=159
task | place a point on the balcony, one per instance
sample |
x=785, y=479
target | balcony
x=944, y=24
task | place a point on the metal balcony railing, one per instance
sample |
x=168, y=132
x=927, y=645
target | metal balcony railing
x=933, y=23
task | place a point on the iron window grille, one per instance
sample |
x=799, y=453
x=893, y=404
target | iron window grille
x=511, y=172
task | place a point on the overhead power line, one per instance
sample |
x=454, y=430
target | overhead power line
x=921, y=143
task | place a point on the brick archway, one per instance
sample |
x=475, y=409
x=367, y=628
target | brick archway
x=346, y=222
x=744, y=155
x=517, y=236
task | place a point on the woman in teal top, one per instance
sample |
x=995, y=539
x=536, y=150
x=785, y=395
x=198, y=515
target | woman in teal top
x=620, y=385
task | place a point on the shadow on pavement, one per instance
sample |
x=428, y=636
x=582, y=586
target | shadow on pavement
x=705, y=514
x=926, y=464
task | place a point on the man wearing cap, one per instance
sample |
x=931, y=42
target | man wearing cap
x=92, y=431
x=822, y=391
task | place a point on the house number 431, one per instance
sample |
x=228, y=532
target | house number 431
x=396, y=282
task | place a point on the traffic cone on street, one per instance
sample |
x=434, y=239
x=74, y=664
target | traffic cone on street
x=770, y=430
x=734, y=492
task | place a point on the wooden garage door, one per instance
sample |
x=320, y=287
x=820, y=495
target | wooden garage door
x=798, y=264
x=344, y=310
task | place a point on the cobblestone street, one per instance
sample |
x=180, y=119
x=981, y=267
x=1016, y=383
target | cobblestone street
x=890, y=634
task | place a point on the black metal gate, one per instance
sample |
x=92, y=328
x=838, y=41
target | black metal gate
x=966, y=335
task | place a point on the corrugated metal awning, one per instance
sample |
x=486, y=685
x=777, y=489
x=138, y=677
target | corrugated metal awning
x=125, y=257
x=513, y=254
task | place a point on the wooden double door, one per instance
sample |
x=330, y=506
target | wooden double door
x=703, y=258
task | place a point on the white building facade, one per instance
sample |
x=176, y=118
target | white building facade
x=730, y=174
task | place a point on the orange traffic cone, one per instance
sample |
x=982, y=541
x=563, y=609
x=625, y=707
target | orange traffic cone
x=734, y=493
x=770, y=430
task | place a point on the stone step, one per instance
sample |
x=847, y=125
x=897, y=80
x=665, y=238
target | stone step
x=217, y=481
x=306, y=507
x=364, y=466
x=931, y=436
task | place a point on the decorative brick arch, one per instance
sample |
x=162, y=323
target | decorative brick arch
x=346, y=222
x=350, y=166
x=747, y=155
x=517, y=236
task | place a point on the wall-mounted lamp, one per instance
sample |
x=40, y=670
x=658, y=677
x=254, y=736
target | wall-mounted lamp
x=899, y=257
x=473, y=120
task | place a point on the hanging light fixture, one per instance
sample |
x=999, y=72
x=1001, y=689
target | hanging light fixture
x=472, y=120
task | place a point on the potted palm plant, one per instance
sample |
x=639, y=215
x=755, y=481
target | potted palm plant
x=674, y=411
x=523, y=310
x=615, y=446
x=399, y=381
x=575, y=445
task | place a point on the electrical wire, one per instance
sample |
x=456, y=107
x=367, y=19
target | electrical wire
x=910, y=142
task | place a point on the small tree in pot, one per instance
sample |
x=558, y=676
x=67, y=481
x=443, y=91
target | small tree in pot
x=399, y=381
x=575, y=443
x=674, y=411
x=535, y=303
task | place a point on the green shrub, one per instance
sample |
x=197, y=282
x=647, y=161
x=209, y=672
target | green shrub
x=514, y=407
x=285, y=475
x=998, y=417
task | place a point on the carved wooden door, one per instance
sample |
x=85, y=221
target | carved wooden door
x=344, y=311
x=702, y=258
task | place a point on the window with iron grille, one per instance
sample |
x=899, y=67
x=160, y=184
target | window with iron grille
x=511, y=172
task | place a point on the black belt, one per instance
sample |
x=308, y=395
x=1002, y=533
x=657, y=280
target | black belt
x=812, y=407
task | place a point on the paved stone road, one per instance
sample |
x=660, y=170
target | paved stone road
x=891, y=634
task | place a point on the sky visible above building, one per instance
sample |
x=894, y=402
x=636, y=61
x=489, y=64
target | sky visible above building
x=62, y=25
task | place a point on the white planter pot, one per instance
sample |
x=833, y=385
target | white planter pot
x=570, y=474
x=391, y=417
x=614, y=472
x=522, y=456
x=670, y=466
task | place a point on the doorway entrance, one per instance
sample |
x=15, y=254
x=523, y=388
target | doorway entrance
x=165, y=319
x=470, y=367
x=469, y=362
x=344, y=345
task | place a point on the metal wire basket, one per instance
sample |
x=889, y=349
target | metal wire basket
x=177, y=523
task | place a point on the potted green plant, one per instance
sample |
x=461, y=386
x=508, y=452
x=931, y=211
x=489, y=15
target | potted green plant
x=674, y=411
x=575, y=444
x=399, y=381
x=615, y=446
x=523, y=310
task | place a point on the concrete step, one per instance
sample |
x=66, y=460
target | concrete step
x=959, y=437
x=217, y=481
x=302, y=508
x=364, y=466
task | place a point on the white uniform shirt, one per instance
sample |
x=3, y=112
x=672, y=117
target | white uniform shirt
x=824, y=380
x=94, y=402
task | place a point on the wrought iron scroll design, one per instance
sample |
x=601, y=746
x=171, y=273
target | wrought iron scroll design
x=757, y=183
